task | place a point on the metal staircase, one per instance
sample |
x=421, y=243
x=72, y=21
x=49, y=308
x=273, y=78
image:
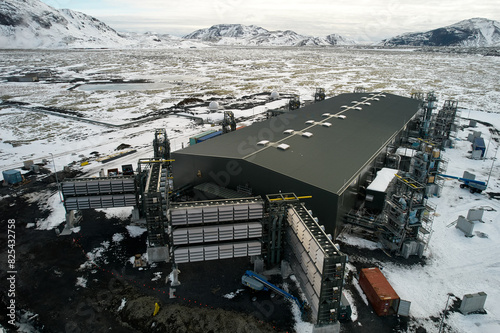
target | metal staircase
x=155, y=199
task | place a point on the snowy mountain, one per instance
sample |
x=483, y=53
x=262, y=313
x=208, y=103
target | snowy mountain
x=476, y=32
x=238, y=34
x=34, y=24
x=152, y=40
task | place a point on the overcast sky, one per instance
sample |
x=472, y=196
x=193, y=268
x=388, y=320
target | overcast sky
x=362, y=20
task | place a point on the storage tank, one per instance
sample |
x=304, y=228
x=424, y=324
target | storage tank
x=275, y=95
x=379, y=291
x=213, y=106
x=12, y=176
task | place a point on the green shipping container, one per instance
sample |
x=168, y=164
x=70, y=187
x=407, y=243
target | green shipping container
x=194, y=139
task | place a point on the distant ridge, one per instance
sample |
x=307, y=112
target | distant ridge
x=238, y=34
x=475, y=32
x=34, y=24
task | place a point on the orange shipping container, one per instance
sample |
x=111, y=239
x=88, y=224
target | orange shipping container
x=379, y=291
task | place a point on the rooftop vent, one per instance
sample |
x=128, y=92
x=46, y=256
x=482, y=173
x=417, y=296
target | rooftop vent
x=283, y=146
x=307, y=134
x=288, y=131
x=263, y=142
x=326, y=124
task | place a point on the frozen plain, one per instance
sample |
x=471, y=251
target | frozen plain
x=455, y=264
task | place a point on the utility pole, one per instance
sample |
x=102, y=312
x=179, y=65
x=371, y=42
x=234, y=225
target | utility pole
x=444, y=313
x=57, y=179
x=491, y=169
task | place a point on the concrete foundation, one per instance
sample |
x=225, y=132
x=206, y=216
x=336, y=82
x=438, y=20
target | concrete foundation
x=473, y=303
x=332, y=328
x=412, y=248
x=73, y=219
x=466, y=226
x=135, y=214
x=258, y=266
x=475, y=215
x=171, y=293
x=286, y=270
x=433, y=190
x=468, y=175
x=158, y=254
x=175, y=278
x=476, y=154
x=448, y=143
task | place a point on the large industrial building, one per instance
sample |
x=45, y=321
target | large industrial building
x=326, y=150
x=237, y=194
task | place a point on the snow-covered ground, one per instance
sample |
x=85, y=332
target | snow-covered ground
x=206, y=73
x=456, y=264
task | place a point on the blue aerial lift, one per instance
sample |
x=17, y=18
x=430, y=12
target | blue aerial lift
x=473, y=185
x=258, y=282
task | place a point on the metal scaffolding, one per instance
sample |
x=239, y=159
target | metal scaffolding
x=427, y=120
x=294, y=102
x=445, y=124
x=161, y=144
x=274, y=226
x=155, y=198
x=409, y=216
x=228, y=123
x=405, y=224
x=426, y=165
x=319, y=95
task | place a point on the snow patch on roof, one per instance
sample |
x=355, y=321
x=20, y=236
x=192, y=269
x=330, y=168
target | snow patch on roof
x=384, y=177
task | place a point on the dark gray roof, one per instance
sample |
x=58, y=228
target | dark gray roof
x=333, y=156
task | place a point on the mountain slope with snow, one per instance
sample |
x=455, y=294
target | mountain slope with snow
x=26, y=24
x=238, y=34
x=34, y=24
x=476, y=32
